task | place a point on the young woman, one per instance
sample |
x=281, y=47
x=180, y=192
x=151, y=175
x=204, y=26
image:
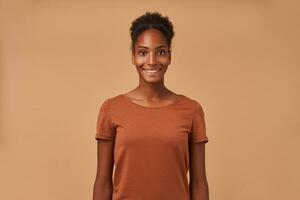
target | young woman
x=151, y=134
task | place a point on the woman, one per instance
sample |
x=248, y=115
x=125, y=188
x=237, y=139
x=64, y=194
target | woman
x=151, y=134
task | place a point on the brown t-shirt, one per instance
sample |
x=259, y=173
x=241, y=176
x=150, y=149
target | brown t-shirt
x=151, y=151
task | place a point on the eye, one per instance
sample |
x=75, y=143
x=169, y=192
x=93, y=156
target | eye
x=141, y=52
x=162, y=52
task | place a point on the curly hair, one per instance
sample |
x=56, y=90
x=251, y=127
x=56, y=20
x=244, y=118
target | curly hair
x=151, y=20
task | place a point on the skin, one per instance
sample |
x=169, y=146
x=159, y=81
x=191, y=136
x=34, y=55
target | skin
x=103, y=186
x=151, y=51
x=198, y=181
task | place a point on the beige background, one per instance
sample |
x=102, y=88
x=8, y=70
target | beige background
x=60, y=59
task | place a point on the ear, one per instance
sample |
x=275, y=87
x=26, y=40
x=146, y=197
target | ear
x=170, y=57
x=132, y=57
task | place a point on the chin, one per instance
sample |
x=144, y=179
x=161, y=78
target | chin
x=153, y=80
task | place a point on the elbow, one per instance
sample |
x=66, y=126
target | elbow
x=199, y=190
x=199, y=184
x=103, y=183
x=102, y=190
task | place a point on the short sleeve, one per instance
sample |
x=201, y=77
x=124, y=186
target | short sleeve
x=198, y=129
x=104, y=126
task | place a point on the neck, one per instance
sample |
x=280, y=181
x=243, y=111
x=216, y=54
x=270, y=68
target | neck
x=152, y=90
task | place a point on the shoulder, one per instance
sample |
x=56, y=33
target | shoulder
x=112, y=102
x=194, y=103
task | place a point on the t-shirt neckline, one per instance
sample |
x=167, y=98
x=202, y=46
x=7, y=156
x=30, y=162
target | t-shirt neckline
x=148, y=107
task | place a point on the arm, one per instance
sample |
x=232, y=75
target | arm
x=103, y=187
x=198, y=182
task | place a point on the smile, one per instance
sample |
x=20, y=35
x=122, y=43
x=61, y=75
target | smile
x=152, y=71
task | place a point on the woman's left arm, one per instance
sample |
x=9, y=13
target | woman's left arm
x=198, y=182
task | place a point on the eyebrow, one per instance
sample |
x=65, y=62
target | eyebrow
x=155, y=48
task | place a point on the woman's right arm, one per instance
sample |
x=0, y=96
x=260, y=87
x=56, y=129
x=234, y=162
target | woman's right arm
x=103, y=186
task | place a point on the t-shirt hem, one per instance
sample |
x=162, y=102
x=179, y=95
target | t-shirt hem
x=97, y=137
x=199, y=140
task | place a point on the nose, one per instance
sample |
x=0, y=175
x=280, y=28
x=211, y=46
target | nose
x=152, y=58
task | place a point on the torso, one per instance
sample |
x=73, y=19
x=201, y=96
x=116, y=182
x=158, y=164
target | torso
x=151, y=147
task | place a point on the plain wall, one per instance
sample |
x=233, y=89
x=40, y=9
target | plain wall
x=60, y=59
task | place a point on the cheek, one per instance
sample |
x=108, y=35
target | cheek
x=164, y=60
x=140, y=61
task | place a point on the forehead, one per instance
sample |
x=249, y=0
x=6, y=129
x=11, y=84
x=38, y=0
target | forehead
x=151, y=38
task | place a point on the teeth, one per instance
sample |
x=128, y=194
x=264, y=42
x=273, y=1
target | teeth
x=152, y=71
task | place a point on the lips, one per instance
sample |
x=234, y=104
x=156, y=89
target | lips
x=152, y=71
